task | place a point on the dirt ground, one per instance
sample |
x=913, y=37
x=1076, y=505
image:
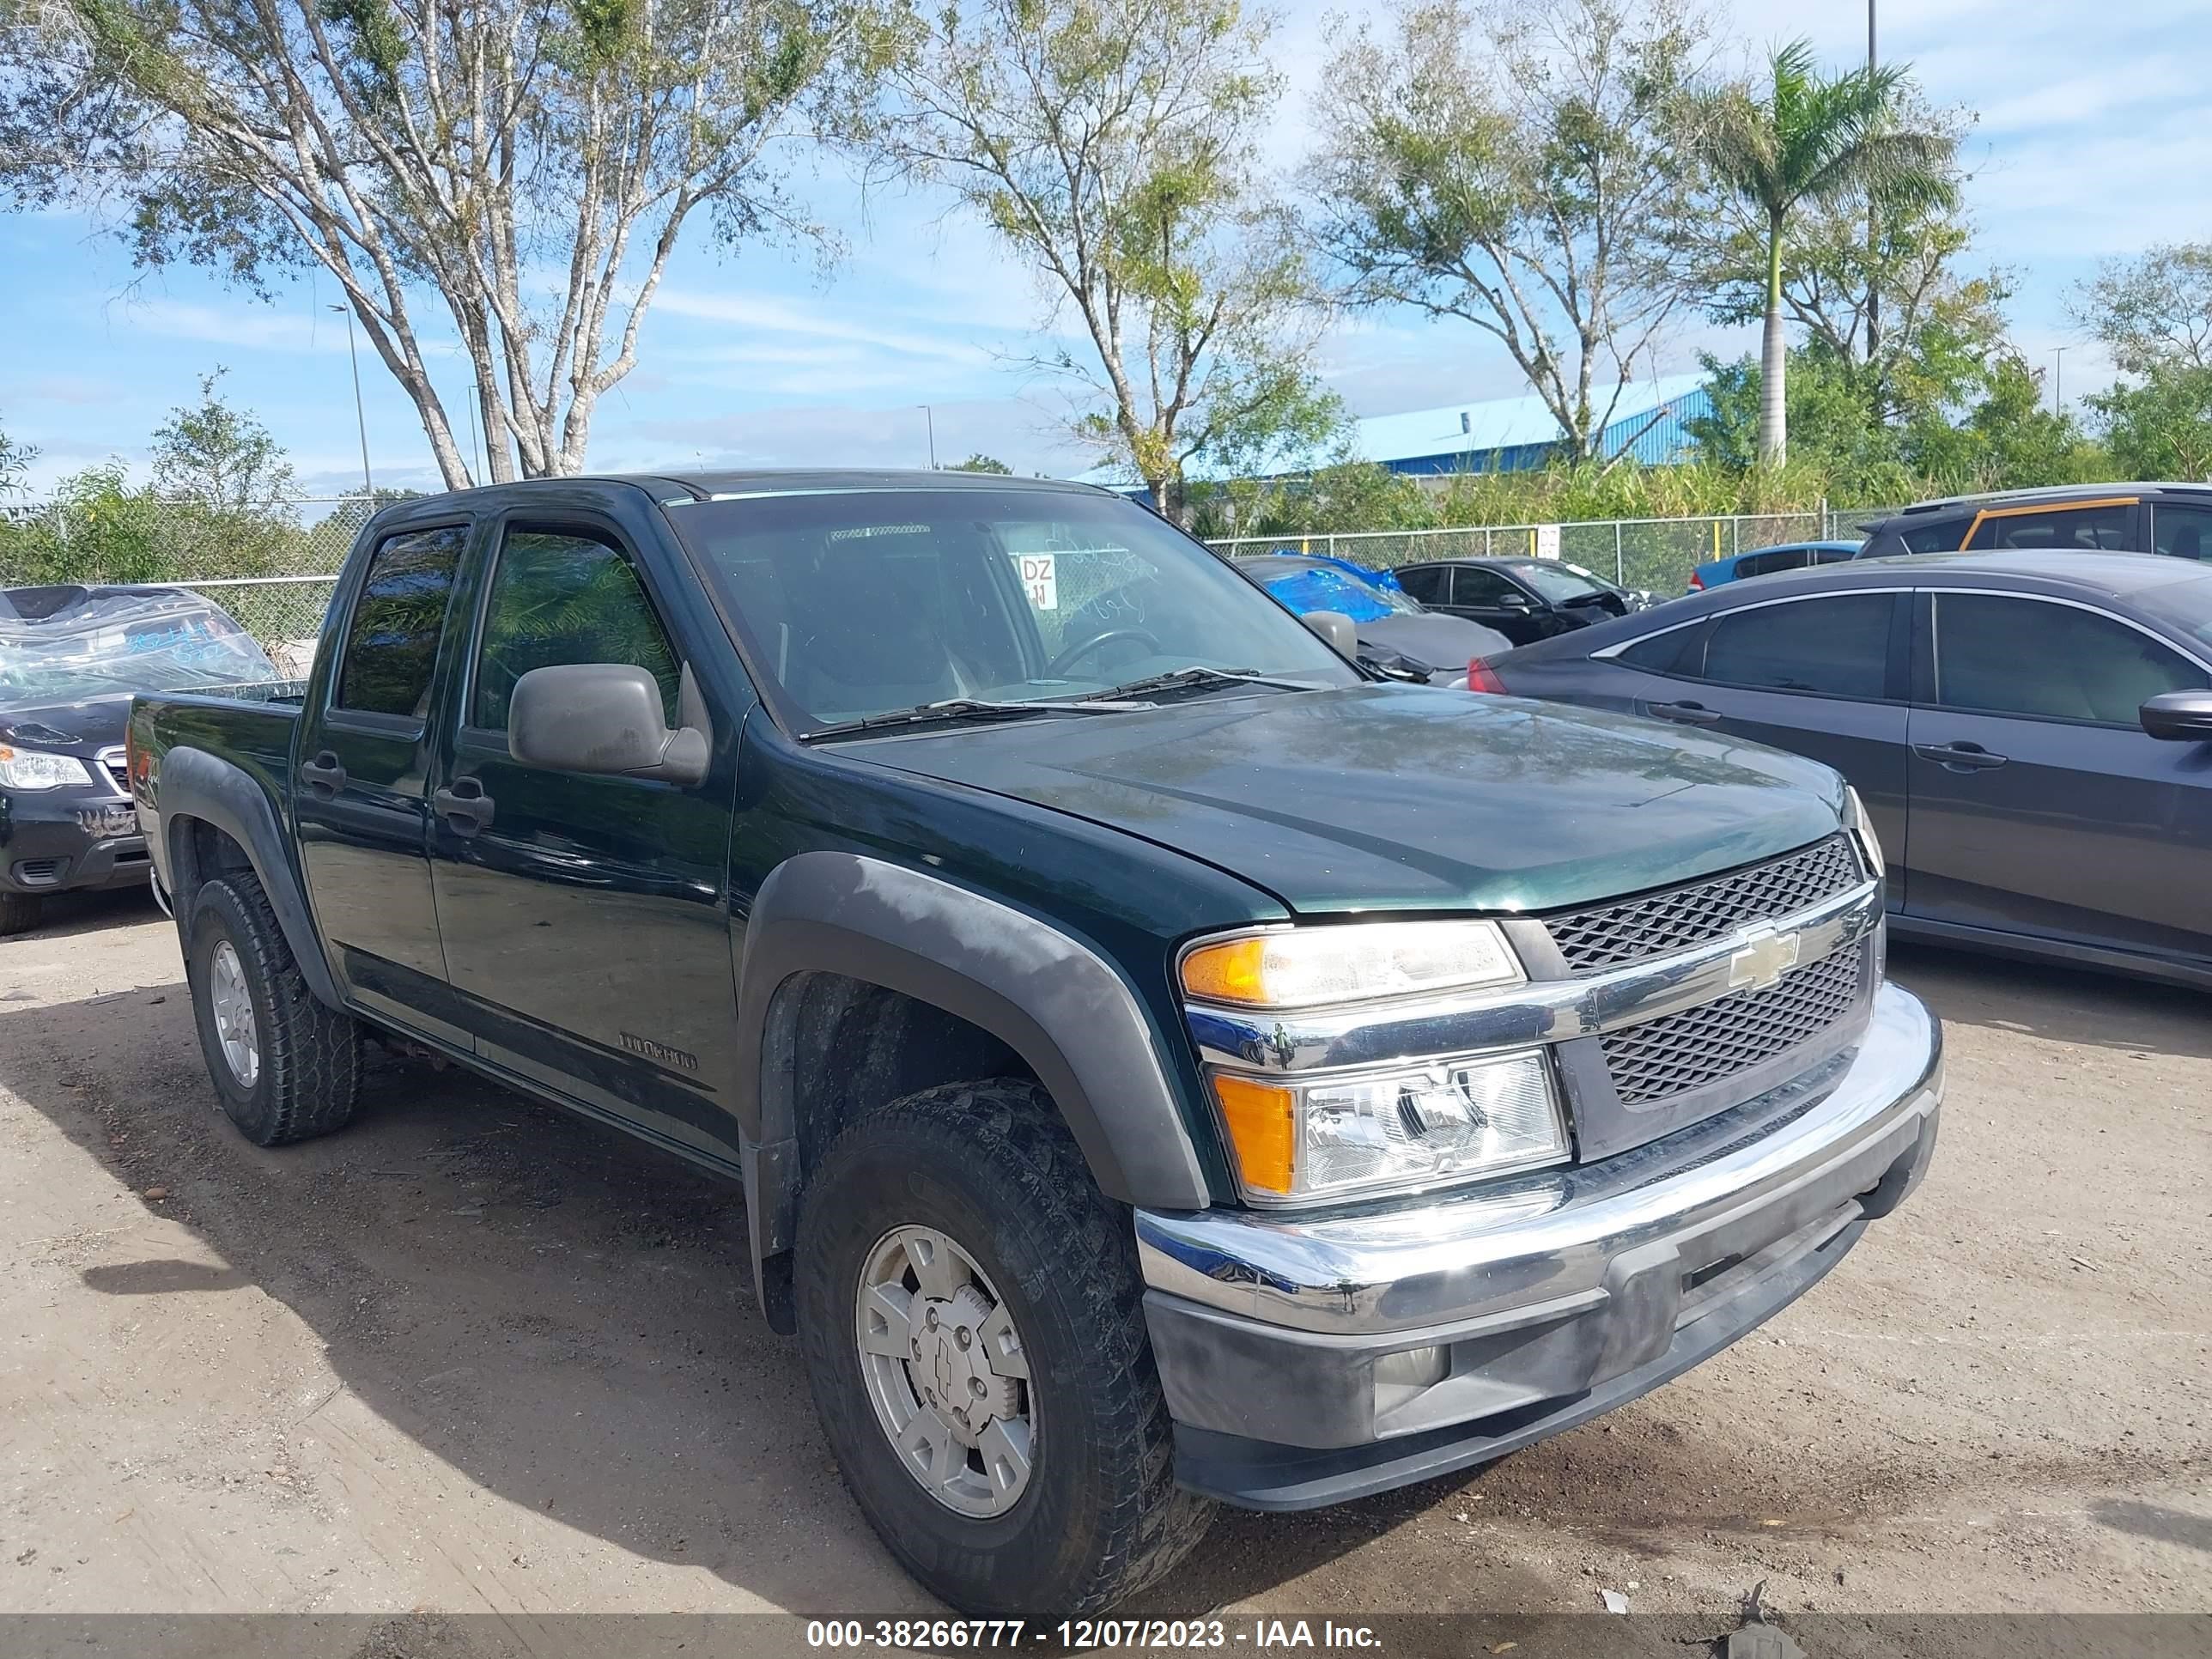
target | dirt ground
x=475, y=1356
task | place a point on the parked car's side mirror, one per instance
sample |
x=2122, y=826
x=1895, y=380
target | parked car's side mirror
x=1514, y=599
x=2179, y=716
x=605, y=717
x=1337, y=629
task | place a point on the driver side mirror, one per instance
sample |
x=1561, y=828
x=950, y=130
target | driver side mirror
x=1335, y=627
x=1514, y=599
x=605, y=718
x=2179, y=716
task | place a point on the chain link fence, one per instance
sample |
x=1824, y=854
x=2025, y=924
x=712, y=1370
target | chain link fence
x=1657, y=554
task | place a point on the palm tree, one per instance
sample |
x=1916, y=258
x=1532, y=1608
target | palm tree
x=1820, y=140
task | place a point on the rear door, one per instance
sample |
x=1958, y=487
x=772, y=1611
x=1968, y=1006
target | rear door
x=1823, y=675
x=585, y=916
x=360, y=789
x=2111, y=525
x=2040, y=805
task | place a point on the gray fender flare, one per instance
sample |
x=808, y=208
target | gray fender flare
x=1047, y=996
x=197, y=785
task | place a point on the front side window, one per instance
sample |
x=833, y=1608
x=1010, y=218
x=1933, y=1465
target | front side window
x=1473, y=585
x=867, y=602
x=391, y=642
x=2066, y=530
x=2183, y=532
x=559, y=596
x=2007, y=656
x=1836, y=646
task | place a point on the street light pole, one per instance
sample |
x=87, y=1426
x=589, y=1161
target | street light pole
x=361, y=419
x=1874, y=233
x=2058, y=382
x=930, y=415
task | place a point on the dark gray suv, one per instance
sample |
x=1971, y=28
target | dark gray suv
x=2031, y=733
x=2174, y=518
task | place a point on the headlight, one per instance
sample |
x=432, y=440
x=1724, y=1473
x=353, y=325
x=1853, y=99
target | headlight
x=1304, y=967
x=1397, y=1130
x=33, y=768
x=1860, y=825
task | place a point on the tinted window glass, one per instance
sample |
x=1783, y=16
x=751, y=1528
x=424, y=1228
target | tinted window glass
x=1836, y=647
x=1941, y=537
x=1760, y=564
x=2031, y=657
x=1660, y=653
x=392, y=644
x=1473, y=585
x=2073, y=528
x=2183, y=531
x=1425, y=584
x=1833, y=554
x=565, y=596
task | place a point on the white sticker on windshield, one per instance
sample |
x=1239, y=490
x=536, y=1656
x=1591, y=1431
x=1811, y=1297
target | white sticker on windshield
x=1040, y=579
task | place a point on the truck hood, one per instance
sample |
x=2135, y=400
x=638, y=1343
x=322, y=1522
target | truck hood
x=1403, y=797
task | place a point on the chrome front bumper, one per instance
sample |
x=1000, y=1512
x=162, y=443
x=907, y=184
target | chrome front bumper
x=1511, y=1311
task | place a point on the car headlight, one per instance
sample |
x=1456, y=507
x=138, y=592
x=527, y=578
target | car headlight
x=33, y=768
x=1862, y=827
x=1397, y=1130
x=1306, y=967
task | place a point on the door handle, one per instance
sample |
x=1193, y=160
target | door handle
x=1959, y=757
x=323, y=774
x=464, y=806
x=1684, y=713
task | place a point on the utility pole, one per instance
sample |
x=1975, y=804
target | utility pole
x=1874, y=233
x=930, y=415
x=2058, y=382
x=361, y=419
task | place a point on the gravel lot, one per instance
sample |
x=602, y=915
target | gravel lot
x=474, y=1356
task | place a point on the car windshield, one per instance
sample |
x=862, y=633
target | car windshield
x=862, y=602
x=117, y=644
x=1561, y=584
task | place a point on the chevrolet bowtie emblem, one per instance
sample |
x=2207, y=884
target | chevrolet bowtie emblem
x=1765, y=957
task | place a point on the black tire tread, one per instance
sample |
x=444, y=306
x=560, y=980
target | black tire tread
x=19, y=912
x=1151, y=1524
x=310, y=1054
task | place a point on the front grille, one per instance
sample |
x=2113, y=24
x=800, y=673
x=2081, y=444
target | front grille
x=1677, y=918
x=117, y=767
x=1680, y=1052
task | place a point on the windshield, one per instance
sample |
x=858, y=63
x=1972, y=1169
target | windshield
x=1561, y=584
x=1319, y=587
x=115, y=644
x=858, y=603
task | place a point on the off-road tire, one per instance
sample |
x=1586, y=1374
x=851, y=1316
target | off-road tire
x=19, y=912
x=310, y=1056
x=992, y=1165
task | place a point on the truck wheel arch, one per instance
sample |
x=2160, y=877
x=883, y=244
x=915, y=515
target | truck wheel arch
x=1060, y=1008
x=199, y=788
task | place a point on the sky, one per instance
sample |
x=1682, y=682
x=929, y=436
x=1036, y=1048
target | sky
x=2092, y=141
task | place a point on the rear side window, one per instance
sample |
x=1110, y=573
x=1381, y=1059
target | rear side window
x=560, y=595
x=2031, y=657
x=1661, y=653
x=1941, y=535
x=1833, y=554
x=1761, y=564
x=1425, y=584
x=2065, y=529
x=391, y=642
x=1834, y=647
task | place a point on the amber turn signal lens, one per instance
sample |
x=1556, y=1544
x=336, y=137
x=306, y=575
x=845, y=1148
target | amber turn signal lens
x=1263, y=1123
x=1233, y=971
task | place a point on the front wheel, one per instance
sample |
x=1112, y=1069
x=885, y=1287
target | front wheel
x=19, y=912
x=969, y=1305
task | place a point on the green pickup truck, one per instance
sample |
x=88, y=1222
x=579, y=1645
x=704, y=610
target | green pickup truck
x=1165, y=1065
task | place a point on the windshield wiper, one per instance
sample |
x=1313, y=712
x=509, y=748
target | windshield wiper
x=973, y=708
x=1195, y=678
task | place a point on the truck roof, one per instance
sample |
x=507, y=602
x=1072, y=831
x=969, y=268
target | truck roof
x=719, y=484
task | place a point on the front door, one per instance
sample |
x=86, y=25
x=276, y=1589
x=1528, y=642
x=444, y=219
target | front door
x=1495, y=600
x=584, y=916
x=2040, y=805
x=360, y=789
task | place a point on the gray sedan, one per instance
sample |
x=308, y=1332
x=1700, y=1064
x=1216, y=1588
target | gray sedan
x=2031, y=733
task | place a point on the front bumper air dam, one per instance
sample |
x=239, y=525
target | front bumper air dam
x=1308, y=1363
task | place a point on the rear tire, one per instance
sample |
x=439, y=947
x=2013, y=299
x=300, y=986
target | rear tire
x=1047, y=1273
x=284, y=1067
x=19, y=912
